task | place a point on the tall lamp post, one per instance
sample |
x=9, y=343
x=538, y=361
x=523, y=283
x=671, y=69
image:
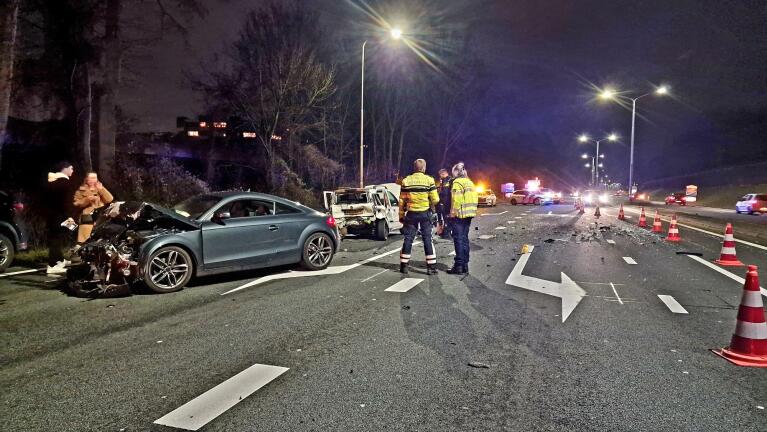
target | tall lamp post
x=395, y=33
x=611, y=94
x=595, y=161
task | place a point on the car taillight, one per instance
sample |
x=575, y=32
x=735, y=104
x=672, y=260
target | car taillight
x=331, y=221
x=19, y=207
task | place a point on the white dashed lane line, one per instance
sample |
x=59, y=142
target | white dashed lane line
x=201, y=410
x=629, y=260
x=371, y=277
x=672, y=304
x=616, y=293
x=610, y=241
x=404, y=285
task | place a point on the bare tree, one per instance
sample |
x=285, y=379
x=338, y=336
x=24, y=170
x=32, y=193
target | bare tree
x=8, y=14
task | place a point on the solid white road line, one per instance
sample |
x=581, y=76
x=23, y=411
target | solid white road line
x=610, y=241
x=20, y=272
x=616, y=293
x=199, y=411
x=500, y=228
x=720, y=235
x=724, y=272
x=404, y=285
x=629, y=260
x=672, y=304
x=328, y=271
x=371, y=277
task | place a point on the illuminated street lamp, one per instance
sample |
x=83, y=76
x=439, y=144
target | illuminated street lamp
x=395, y=34
x=584, y=139
x=613, y=95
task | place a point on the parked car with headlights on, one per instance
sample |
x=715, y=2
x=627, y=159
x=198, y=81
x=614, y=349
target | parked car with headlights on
x=752, y=203
x=207, y=234
x=549, y=195
x=596, y=197
x=486, y=197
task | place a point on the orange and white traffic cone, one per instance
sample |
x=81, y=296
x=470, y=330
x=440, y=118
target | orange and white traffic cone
x=657, y=227
x=621, y=216
x=673, y=231
x=642, y=220
x=728, y=257
x=597, y=213
x=748, y=346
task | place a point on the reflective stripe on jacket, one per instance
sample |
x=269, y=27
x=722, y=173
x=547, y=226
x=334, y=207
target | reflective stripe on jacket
x=465, y=199
x=418, y=194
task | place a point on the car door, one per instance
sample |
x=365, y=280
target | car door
x=285, y=228
x=393, y=211
x=242, y=237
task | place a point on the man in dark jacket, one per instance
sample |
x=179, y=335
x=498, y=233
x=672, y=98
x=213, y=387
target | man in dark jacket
x=443, y=208
x=58, y=209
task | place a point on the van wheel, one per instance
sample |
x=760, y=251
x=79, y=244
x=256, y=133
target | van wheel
x=381, y=230
x=513, y=202
x=537, y=202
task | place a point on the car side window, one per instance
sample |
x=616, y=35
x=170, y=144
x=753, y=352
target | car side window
x=761, y=197
x=282, y=209
x=746, y=198
x=249, y=208
x=392, y=199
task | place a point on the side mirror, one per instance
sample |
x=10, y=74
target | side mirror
x=222, y=216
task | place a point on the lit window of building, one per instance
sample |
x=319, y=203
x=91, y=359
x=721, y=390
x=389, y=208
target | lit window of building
x=219, y=125
x=193, y=133
x=203, y=124
x=248, y=134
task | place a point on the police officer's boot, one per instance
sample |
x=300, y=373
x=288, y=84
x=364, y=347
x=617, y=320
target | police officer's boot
x=431, y=269
x=403, y=268
x=458, y=270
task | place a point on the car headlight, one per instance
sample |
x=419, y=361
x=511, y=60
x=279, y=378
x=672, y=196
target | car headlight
x=603, y=198
x=587, y=198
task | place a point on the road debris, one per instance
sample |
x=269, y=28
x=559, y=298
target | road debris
x=479, y=365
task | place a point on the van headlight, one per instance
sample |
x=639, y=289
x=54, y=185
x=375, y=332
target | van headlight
x=587, y=198
x=603, y=198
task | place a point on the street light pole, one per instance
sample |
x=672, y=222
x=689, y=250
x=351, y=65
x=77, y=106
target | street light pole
x=631, y=153
x=362, y=119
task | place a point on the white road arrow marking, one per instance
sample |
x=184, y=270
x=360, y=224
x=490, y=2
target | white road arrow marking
x=567, y=290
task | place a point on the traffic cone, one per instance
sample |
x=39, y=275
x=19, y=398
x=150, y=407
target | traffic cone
x=656, y=225
x=673, y=231
x=642, y=220
x=597, y=213
x=621, y=216
x=748, y=346
x=727, y=257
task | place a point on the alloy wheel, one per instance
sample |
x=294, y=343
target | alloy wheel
x=168, y=269
x=320, y=251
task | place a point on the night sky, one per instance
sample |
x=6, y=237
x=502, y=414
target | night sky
x=542, y=58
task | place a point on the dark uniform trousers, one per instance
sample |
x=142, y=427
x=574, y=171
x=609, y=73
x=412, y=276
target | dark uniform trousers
x=416, y=222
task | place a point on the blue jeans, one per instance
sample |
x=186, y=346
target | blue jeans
x=460, y=228
x=416, y=222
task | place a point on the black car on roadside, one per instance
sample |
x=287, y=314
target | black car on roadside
x=12, y=236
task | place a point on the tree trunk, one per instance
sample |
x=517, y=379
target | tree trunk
x=111, y=58
x=83, y=98
x=8, y=13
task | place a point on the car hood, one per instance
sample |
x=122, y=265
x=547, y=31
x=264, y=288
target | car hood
x=135, y=214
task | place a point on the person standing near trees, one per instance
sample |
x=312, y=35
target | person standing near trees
x=58, y=214
x=88, y=197
x=463, y=208
x=443, y=208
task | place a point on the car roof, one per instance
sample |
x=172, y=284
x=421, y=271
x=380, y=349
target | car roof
x=252, y=195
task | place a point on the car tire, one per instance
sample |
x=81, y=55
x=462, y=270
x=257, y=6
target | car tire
x=168, y=269
x=513, y=202
x=317, y=252
x=7, y=252
x=381, y=230
x=537, y=201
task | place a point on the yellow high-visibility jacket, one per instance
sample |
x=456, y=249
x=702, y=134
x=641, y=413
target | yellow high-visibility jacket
x=418, y=193
x=465, y=199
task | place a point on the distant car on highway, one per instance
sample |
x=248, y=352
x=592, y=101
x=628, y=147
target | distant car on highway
x=548, y=194
x=752, y=203
x=596, y=197
x=12, y=235
x=676, y=198
x=640, y=198
x=524, y=197
x=486, y=197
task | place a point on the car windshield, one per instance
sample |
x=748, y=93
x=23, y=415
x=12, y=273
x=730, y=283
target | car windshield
x=195, y=207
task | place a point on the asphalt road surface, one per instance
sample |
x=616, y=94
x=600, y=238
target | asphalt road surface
x=571, y=336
